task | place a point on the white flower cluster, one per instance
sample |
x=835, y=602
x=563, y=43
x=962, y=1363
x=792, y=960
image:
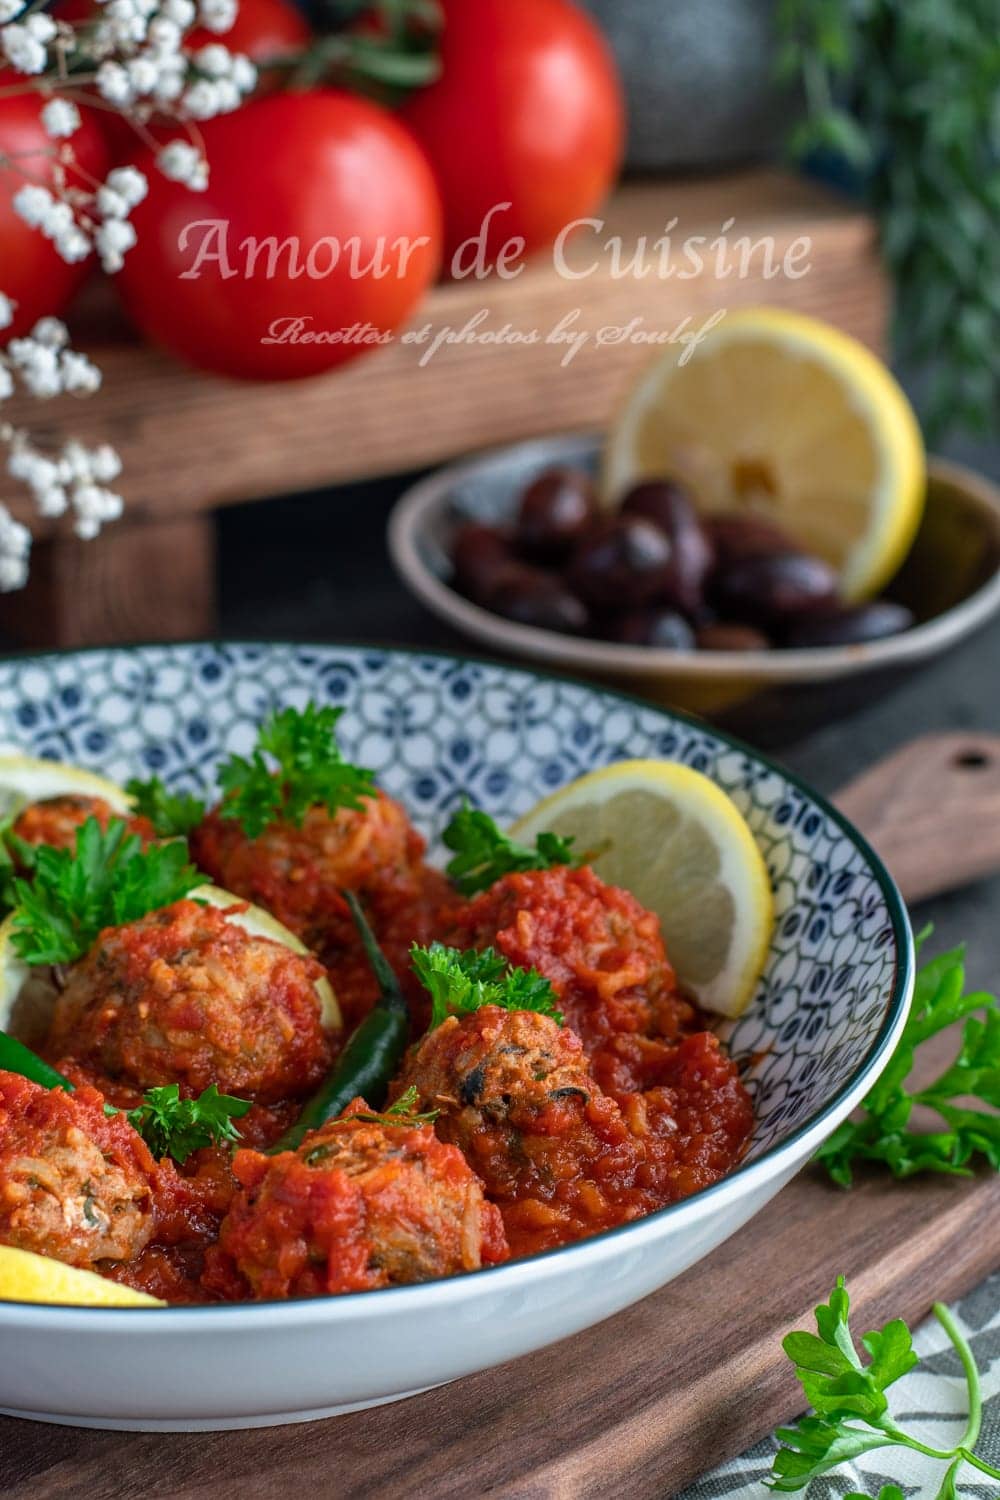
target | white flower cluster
x=74, y=233
x=75, y=481
x=149, y=67
x=26, y=45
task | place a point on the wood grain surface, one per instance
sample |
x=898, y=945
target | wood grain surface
x=638, y=1406
x=193, y=442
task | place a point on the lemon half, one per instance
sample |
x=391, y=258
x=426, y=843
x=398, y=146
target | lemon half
x=28, y=996
x=26, y=1277
x=678, y=843
x=24, y=780
x=782, y=416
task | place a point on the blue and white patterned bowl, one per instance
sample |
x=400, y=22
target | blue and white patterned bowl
x=436, y=728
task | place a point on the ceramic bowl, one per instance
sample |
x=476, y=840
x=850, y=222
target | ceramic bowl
x=951, y=581
x=823, y=1024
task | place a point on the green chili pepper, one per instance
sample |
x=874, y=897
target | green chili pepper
x=371, y=1058
x=15, y=1057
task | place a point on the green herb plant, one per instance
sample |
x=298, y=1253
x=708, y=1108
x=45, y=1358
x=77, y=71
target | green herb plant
x=106, y=880
x=295, y=765
x=483, y=853
x=172, y=814
x=905, y=91
x=882, y=1131
x=850, y=1409
x=405, y=1112
x=461, y=983
x=175, y=1127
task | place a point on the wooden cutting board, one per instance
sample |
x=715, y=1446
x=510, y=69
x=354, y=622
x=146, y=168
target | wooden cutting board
x=694, y=1374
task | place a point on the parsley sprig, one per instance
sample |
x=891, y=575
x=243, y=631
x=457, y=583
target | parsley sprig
x=295, y=765
x=460, y=983
x=483, y=853
x=175, y=1127
x=405, y=1111
x=172, y=814
x=106, y=880
x=850, y=1409
x=882, y=1132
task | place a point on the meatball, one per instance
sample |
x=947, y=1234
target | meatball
x=361, y=1204
x=515, y=1094
x=56, y=821
x=299, y=873
x=75, y=1184
x=600, y=949
x=185, y=996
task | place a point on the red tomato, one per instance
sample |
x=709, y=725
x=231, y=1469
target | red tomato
x=528, y=110
x=305, y=190
x=31, y=271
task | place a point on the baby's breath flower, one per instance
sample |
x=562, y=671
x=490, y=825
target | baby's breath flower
x=51, y=332
x=7, y=308
x=61, y=118
x=80, y=377
x=9, y=9
x=114, y=84
x=217, y=15
x=114, y=239
x=182, y=162
x=24, y=52
x=6, y=383
x=129, y=183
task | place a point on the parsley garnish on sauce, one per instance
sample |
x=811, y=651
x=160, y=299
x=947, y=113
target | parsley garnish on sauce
x=483, y=853
x=107, y=880
x=172, y=814
x=882, y=1131
x=172, y=1126
x=460, y=983
x=850, y=1409
x=295, y=765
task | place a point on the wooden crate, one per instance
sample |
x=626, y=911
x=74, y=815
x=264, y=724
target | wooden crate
x=193, y=442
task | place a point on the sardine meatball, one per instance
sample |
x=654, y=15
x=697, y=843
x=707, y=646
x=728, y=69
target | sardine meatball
x=516, y=1095
x=361, y=1204
x=75, y=1184
x=186, y=996
x=56, y=821
x=299, y=873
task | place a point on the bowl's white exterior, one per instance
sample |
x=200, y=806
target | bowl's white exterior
x=174, y=709
x=255, y=1366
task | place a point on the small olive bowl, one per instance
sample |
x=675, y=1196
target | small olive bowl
x=951, y=581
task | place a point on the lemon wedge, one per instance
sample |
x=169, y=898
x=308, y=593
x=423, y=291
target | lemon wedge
x=24, y=780
x=677, y=842
x=28, y=995
x=26, y=1277
x=784, y=417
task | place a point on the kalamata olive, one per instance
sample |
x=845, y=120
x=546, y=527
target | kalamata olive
x=533, y=597
x=478, y=554
x=653, y=627
x=771, y=588
x=621, y=561
x=725, y=636
x=850, y=627
x=734, y=535
x=669, y=507
x=554, y=513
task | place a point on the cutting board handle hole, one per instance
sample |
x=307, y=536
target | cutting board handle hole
x=972, y=760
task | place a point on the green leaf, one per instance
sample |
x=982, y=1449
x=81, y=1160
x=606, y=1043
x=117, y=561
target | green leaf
x=172, y=814
x=105, y=881
x=296, y=765
x=175, y=1127
x=881, y=1131
x=483, y=854
x=461, y=983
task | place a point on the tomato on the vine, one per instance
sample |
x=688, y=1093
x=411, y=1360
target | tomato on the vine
x=318, y=234
x=528, y=111
x=31, y=270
